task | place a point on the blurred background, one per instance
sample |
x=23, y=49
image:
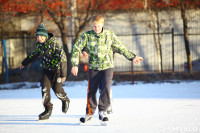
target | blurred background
x=166, y=33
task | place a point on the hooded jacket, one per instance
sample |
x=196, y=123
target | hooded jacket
x=52, y=54
x=100, y=49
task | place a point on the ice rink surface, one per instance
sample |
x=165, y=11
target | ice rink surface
x=139, y=108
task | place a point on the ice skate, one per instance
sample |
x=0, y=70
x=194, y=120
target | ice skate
x=65, y=105
x=103, y=117
x=46, y=114
x=85, y=118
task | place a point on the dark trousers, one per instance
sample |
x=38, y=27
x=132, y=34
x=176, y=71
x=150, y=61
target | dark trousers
x=95, y=77
x=51, y=80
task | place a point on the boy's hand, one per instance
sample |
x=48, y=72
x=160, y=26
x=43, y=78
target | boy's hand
x=21, y=67
x=63, y=79
x=74, y=70
x=137, y=59
x=85, y=54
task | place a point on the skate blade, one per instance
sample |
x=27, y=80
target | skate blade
x=84, y=123
x=43, y=120
x=104, y=123
x=81, y=123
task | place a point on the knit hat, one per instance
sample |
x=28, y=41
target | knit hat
x=41, y=30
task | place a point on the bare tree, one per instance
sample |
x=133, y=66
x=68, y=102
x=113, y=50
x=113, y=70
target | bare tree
x=90, y=8
x=60, y=19
x=156, y=35
x=184, y=6
x=153, y=11
x=186, y=39
x=84, y=15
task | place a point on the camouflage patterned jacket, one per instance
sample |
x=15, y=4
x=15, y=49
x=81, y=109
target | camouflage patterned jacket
x=52, y=53
x=100, y=49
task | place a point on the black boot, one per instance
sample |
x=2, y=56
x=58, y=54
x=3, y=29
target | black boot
x=46, y=114
x=65, y=105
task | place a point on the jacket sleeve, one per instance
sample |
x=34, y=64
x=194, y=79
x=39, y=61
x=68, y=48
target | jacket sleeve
x=60, y=57
x=122, y=49
x=63, y=69
x=77, y=48
x=31, y=57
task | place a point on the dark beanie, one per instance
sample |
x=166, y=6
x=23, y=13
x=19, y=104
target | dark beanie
x=41, y=30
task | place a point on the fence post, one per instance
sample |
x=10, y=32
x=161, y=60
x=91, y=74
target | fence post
x=132, y=72
x=173, y=49
x=5, y=60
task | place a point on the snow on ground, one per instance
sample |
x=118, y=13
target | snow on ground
x=139, y=108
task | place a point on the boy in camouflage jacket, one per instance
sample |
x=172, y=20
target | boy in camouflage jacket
x=100, y=43
x=54, y=64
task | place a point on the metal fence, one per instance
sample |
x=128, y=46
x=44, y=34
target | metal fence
x=172, y=49
x=142, y=44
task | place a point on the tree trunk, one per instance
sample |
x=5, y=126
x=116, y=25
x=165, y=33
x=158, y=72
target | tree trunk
x=158, y=49
x=186, y=39
x=64, y=41
x=2, y=67
x=74, y=22
x=63, y=31
x=159, y=44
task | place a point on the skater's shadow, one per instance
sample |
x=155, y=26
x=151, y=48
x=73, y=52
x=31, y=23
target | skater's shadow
x=33, y=120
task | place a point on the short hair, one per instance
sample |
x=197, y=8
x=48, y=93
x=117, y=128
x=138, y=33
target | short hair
x=97, y=19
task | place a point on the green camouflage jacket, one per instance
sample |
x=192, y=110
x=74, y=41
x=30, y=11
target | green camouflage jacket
x=52, y=53
x=100, y=49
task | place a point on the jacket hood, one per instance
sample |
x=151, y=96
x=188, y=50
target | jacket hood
x=50, y=35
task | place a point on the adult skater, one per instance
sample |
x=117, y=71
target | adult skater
x=99, y=43
x=54, y=64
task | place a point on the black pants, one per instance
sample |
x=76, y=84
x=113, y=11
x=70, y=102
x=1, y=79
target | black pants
x=51, y=80
x=95, y=77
